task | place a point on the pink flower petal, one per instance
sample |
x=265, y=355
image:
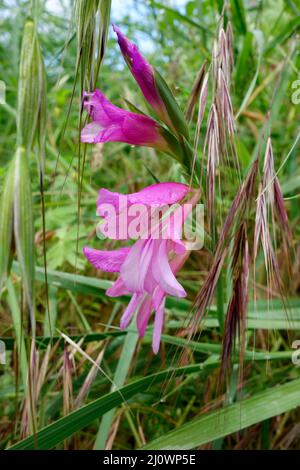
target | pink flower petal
x=102, y=110
x=108, y=197
x=117, y=289
x=153, y=87
x=143, y=315
x=90, y=132
x=141, y=70
x=163, y=274
x=108, y=261
x=114, y=124
x=160, y=194
x=134, y=270
x=157, y=297
x=93, y=133
x=129, y=312
x=158, y=327
x=156, y=195
x=178, y=246
x=124, y=214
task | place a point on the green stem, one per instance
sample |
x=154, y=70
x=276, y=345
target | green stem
x=133, y=428
x=17, y=323
x=120, y=376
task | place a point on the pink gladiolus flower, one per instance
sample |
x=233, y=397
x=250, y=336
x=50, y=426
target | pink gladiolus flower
x=152, y=85
x=113, y=124
x=147, y=269
x=146, y=204
x=142, y=72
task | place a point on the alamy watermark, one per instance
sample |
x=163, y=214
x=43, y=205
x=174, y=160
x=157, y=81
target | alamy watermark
x=2, y=92
x=296, y=353
x=142, y=221
x=2, y=352
x=296, y=93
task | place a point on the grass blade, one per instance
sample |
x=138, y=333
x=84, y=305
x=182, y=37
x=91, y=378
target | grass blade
x=24, y=229
x=220, y=423
x=17, y=323
x=6, y=223
x=119, y=380
x=56, y=432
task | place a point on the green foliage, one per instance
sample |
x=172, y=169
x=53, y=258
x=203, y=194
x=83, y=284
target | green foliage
x=155, y=402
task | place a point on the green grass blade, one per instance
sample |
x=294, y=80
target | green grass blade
x=286, y=32
x=50, y=317
x=17, y=323
x=261, y=315
x=121, y=373
x=60, y=430
x=258, y=35
x=6, y=223
x=182, y=18
x=24, y=229
x=267, y=404
x=239, y=16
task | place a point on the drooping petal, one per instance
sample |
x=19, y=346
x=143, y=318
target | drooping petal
x=143, y=315
x=108, y=261
x=145, y=263
x=130, y=309
x=134, y=270
x=175, y=264
x=163, y=274
x=114, y=124
x=130, y=270
x=158, y=326
x=157, y=297
x=150, y=283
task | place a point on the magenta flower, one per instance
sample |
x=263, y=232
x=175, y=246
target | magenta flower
x=147, y=269
x=142, y=72
x=120, y=220
x=152, y=85
x=113, y=124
